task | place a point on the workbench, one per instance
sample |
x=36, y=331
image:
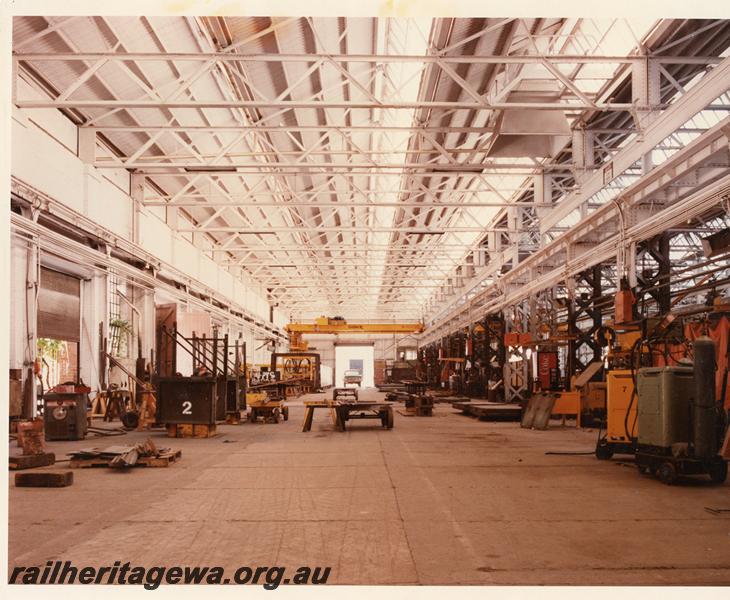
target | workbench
x=311, y=405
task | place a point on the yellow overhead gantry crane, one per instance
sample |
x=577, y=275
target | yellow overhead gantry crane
x=325, y=325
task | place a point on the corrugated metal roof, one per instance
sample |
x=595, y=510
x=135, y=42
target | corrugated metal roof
x=293, y=165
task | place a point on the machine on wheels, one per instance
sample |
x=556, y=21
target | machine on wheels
x=269, y=412
x=268, y=405
x=64, y=411
x=620, y=415
x=681, y=427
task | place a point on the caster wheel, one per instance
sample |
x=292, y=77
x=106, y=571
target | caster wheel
x=667, y=473
x=389, y=419
x=603, y=451
x=285, y=413
x=718, y=472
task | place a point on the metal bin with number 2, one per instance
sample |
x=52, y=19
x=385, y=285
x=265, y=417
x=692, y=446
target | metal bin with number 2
x=187, y=400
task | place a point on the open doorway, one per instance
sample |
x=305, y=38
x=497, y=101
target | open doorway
x=355, y=357
x=59, y=361
x=58, y=328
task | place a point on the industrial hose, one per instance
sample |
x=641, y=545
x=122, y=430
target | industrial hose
x=632, y=360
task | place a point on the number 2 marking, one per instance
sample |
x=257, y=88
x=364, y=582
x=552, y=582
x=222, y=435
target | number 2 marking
x=187, y=407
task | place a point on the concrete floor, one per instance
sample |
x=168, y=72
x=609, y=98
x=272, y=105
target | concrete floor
x=441, y=500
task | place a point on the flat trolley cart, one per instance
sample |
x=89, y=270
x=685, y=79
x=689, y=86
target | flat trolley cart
x=348, y=410
x=268, y=403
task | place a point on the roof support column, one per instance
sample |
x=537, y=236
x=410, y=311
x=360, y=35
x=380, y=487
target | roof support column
x=542, y=187
x=584, y=160
x=583, y=150
x=86, y=145
x=516, y=375
x=136, y=189
x=645, y=90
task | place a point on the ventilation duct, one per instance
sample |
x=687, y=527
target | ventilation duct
x=531, y=134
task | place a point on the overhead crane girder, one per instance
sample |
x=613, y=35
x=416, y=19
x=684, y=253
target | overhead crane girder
x=324, y=325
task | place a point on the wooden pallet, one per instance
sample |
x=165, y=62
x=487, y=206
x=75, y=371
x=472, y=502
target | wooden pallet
x=163, y=460
x=188, y=430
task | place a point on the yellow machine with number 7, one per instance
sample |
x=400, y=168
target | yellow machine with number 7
x=621, y=419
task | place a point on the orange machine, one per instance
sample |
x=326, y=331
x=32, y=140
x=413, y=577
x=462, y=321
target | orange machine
x=621, y=427
x=567, y=404
x=624, y=306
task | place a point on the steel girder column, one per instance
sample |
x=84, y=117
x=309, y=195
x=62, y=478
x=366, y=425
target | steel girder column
x=543, y=318
x=495, y=353
x=455, y=349
x=653, y=273
x=517, y=384
x=476, y=385
x=584, y=321
x=434, y=371
x=443, y=352
x=544, y=329
x=428, y=356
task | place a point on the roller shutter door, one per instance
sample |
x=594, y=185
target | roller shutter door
x=59, y=306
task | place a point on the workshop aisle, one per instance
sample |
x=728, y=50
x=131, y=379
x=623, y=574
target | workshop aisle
x=440, y=500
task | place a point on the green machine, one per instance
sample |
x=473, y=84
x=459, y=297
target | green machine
x=680, y=425
x=665, y=405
